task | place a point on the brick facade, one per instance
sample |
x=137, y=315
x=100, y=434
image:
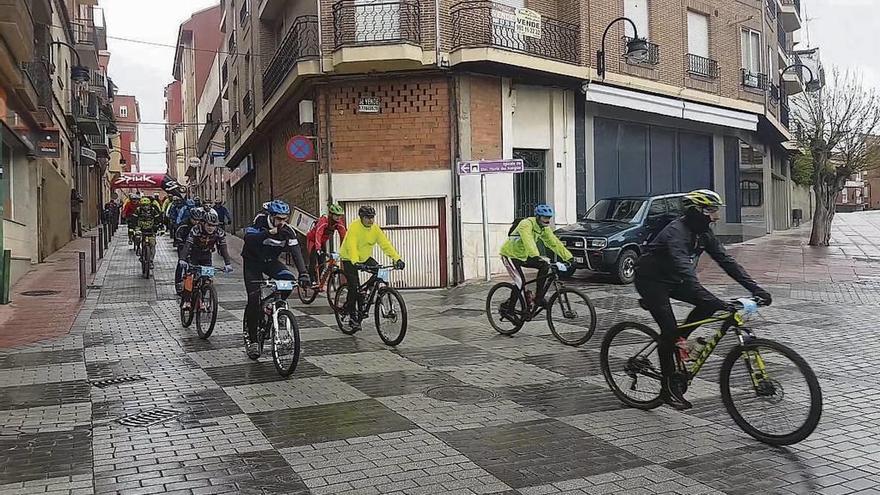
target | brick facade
x=485, y=117
x=410, y=132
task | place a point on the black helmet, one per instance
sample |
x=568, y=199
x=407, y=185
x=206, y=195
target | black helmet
x=197, y=214
x=197, y=200
x=366, y=211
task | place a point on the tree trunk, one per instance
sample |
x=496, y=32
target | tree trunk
x=824, y=214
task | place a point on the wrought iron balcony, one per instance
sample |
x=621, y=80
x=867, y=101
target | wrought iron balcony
x=784, y=113
x=702, y=66
x=84, y=31
x=356, y=23
x=301, y=42
x=480, y=23
x=775, y=94
x=247, y=104
x=38, y=74
x=226, y=143
x=224, y=73
x=653, y=57
x=243, y=13
x=234, y=125
x=754, y=80
x=771, y=9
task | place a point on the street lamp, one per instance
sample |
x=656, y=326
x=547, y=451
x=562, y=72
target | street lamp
x=78, y=72
x=636, y=48
x=792, y=66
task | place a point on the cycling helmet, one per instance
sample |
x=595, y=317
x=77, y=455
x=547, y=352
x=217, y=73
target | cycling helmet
x=543, y=210
x=703, y=198
x=146, y=201
x=135, y=197
x=366, y=211
x=211, y=217
x=277, y=207
x=197, y=214
x=335, y=209
x=198, y=201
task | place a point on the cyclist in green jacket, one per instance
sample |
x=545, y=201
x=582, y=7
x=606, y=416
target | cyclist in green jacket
x=521, y=250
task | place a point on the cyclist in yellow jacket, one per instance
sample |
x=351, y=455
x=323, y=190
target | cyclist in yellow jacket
x=357, y=250
x=521, y=249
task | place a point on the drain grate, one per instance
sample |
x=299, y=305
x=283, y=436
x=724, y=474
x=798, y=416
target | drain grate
x=39, y=293
x=151, y=417
x=116, y=381
x=463, y=394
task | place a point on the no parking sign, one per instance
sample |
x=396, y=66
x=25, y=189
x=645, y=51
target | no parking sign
x=300, y=148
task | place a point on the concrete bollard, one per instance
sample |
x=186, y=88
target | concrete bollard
x=82, y=274
x=100, y=244
x=94, y=253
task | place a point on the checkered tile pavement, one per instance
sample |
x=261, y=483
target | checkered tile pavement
x=455, y=408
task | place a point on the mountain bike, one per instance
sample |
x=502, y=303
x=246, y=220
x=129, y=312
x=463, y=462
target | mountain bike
x=390, y=312
x=199, y=282
x=147, y=252
x=329, y=278
x=570, y=314
x=278, y=325
x=135, y=234
x=630, y=364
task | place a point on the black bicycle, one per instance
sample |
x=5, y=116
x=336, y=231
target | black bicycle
x=773, y=395
x=277, y=325
x=199, y=281
x=390, y=312
x=570, y=314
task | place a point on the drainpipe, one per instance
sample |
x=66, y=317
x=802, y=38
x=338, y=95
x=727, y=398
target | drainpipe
x=457, y=270
x=327, y=145
x=437, y=33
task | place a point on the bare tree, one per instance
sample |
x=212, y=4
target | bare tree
x=836, y=127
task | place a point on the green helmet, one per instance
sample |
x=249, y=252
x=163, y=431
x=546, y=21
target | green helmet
x=335, y=209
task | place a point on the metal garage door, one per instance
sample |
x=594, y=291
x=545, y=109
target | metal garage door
x=417, y=228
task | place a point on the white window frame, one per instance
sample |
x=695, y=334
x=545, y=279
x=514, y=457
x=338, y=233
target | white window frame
x=123, y=111
x=693, y=14
x=747, y=57
x=639, y=11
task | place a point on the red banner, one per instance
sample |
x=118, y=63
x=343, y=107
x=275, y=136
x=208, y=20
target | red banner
x=137, y=180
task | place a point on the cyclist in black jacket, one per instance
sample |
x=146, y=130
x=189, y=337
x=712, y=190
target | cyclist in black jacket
x=668, y=270
x=264, y=242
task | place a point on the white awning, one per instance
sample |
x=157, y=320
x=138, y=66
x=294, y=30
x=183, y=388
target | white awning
x=671, y=107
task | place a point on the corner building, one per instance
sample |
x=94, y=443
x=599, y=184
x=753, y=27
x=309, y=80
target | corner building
x=392, y=95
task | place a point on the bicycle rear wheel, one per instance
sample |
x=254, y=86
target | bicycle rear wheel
x=306, y=293
x=771, y=392
x=205, y=307
x=285, y=343
x=510, y=318
x=186, y=315
x=631, y=365
x=574, y=314
x=341, y=314
x=390, y=316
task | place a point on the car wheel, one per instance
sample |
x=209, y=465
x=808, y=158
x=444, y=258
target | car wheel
x=626, y=266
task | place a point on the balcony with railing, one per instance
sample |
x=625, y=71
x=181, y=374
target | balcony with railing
x=235, y=125
x=702, y=67
x=790, y=15
x=793, y=78
x=485, y=24
x=299, y=44
x=99, y=144
x=85, y=37
x=374, y=23
x=226, y=144
x=243, y=13
x=37, y=92
x=224, y=73
x=754, y=80
x=772, y=9
x=247, y=105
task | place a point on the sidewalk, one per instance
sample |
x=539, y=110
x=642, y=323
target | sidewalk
x=785, y=257
x=32, y=317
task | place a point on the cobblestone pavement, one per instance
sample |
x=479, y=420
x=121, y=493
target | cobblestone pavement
x=455, y=408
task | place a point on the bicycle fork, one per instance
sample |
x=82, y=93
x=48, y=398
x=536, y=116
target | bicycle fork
x=758, y=371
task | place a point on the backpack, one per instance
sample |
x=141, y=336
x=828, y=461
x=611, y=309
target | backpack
x=514, y=225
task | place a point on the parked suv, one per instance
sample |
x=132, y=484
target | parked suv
x=610, y=237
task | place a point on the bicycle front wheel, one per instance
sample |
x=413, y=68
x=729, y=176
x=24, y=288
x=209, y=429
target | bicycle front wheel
x=206, y=311
x=571, y=316
x=631, y=365
x=334, y=282
x=285, y=343
x=506, y=308
x=390, y=316
x=186, y=315
x=771, y=392
x=306, y=293
x=341, y=314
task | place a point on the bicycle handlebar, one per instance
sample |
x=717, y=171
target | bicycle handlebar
x=759, y=301
x=373, y=268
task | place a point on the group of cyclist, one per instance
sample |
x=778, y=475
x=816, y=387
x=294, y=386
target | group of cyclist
x=666, y=270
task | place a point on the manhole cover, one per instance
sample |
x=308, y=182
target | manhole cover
x=152, y=417
x=463, y=312
x=38, y=293
x=117, y=381
x=463, y=394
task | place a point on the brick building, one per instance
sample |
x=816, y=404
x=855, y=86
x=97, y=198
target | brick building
x=393, y=94
x=128, y=116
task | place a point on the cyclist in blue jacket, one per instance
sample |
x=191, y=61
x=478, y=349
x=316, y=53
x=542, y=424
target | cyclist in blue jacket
x=264, y=242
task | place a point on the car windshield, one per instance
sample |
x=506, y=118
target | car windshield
x=615, y=210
